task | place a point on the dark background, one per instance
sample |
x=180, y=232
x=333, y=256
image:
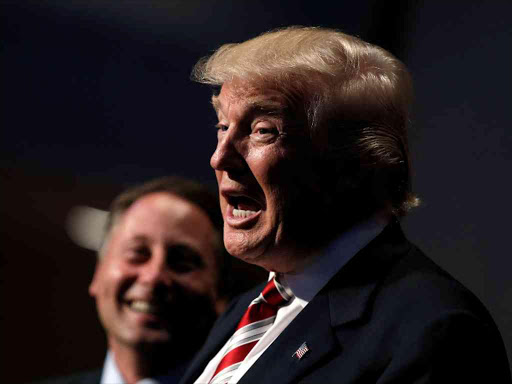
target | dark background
x=95, y=96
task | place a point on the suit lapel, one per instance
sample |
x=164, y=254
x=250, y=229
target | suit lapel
x=350, y=291
x=278, y=363
x=333, y=307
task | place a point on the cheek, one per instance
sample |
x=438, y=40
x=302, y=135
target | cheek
x=292, y=177
x=110, y=282
x=115, y=276
x=273, y=166
x=263, y=161
x=199, y=283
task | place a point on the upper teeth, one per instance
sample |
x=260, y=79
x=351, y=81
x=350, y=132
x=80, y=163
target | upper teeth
x=242, y=212
x=143, y=306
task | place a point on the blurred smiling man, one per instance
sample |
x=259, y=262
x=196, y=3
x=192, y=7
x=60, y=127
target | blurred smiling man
x=158, y=281
x=313, y=169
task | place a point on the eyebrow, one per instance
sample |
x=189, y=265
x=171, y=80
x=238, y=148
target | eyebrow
x=258, y=104
x=139, y=239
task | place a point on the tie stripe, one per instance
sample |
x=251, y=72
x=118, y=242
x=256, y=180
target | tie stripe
x=258, y=318
x=233, y=357
x=250, y=333
x=226, y=374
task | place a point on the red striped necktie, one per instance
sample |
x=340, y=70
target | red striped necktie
x=258, y=318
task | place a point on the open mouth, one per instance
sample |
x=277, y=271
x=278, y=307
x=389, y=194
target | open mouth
x=241, y=208
x=146, y=307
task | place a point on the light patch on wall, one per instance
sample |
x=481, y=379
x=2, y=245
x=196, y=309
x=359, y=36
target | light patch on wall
x=86, y=225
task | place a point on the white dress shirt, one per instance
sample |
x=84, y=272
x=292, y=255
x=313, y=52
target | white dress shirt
x=304, y=285
x=112, y=375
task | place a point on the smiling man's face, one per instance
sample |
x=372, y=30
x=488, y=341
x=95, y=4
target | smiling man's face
x=264, y=172
x=158, y=275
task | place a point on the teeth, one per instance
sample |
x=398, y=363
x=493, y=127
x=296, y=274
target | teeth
x=242, y=212
x=143, y=306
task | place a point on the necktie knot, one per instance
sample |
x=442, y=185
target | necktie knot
x=275, y=294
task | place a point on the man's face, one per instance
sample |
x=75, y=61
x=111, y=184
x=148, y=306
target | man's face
x=264, y=172
x=158, y=274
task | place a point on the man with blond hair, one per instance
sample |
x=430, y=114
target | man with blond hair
x=313, y=169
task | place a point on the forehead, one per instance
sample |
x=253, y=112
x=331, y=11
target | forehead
x=161, y=215
x=248, y=98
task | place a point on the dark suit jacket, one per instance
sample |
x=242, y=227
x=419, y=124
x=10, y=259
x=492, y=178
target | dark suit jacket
x=389, y=316
x=86, y=377
x=94, y=377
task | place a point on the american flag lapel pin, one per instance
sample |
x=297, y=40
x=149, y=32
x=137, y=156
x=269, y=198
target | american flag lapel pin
x=299, y=353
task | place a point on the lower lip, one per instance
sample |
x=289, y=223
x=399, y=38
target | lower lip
x=240, y=222
x=144, y=317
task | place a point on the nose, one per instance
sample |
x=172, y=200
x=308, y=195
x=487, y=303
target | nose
x=155, y=272
x=227, y=155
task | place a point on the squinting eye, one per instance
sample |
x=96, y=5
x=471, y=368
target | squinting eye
x=221, y=127
x=139, y=254
x=183, y=259
x=267, y=131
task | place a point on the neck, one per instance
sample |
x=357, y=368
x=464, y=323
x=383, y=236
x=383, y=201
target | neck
x=288, y=259
x=137, y=363
x=294, y=260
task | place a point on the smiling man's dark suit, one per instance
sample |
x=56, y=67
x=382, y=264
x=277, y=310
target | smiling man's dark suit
x=389, y=316
x=85, y=377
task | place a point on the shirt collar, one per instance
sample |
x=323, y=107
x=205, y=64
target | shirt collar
x=110, y=372
x=307, y=283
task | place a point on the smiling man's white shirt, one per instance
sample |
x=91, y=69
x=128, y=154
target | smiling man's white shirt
x=304, y=285
x=112, y=375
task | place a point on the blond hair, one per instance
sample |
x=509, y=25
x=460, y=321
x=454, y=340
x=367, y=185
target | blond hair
x=355, y=96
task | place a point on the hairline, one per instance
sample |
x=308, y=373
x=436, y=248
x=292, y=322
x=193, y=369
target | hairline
x=116, y=217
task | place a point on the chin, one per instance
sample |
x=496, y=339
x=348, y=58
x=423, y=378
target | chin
x=144, y=335
x=152, y=340
x=251, y=256
x=238, y=246
x=263, y=254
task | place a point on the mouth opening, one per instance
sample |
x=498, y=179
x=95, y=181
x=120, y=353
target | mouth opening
x=243, y=202
x=244, y=206
x=144, y=306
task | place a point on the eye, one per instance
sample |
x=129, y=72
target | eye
x=263, y=133
x=267, y=131
x=183, y=259
x=139, y=254
x=221, y=127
